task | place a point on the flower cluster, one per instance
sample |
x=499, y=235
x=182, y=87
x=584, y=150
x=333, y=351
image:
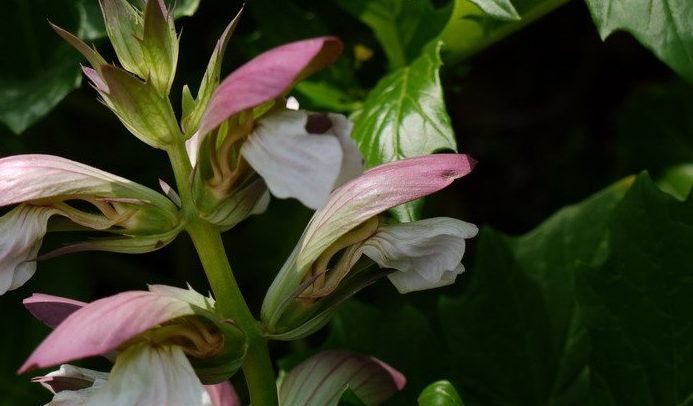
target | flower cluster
x=235, y=143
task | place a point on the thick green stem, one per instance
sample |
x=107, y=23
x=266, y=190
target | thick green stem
x=257, y=367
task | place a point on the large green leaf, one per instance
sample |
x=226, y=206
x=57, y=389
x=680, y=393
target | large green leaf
x=639, y=303
x=515, y=336
x=663, y=26
x=520, y=312
x=402, y=27
x=405, y=116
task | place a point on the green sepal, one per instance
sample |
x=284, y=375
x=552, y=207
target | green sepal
x=125, y=28
x=159, y=47
x=95, y=59
x=141, y=108
x=296, y=318
x=222, y=367
x=192, y=114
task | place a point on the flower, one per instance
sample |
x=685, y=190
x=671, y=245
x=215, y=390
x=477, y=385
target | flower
x=246, y=130
x=76, y=386
x=171, y=336
x=45, y=186
x=423, y=254
x=323, y=378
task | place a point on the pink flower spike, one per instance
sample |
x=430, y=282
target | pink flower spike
x=268, y=76
x=223, y=394
x=51, y=310
x=104, y=325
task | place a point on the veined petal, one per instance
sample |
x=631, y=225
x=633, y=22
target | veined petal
x=268, y=76
x=51, y=310
x=377, y=190
x=427, y=253
x=32, y=177
x=293, y=162
x=104, y=325
x=22, y=231
x=145, y=376
x=222, y=394
x=321, y=380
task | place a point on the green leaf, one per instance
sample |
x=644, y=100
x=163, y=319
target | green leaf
x=500, y=9
x=327, y=97
x=677, y=181
x=638, y=302
x=663, y=26
x=405, y=116
x=478, y=24
x=183, y=8
x=38, y=69
x=402, y=27
x=322, y=379
x=517, y=312
x=656, y=129
x=531, y=323
x=42, y=68
x=440, y=393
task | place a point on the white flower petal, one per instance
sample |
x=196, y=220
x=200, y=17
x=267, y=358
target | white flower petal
x=72, y=398
x=21, y=234
x=292, y=162
x=147, y=376
x=353, y=163
x=72, y=386
x=426, y=253
x=406, y=282
x=192, y=147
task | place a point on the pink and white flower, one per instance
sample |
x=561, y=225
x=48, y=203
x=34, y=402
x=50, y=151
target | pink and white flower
x=45, y=186
x=415, y=256
x=166, y=343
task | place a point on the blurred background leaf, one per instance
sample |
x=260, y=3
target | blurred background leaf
x=638, y=303
x=38, y=68
x=663, y=26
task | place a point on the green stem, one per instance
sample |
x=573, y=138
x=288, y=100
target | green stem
x=257, y=366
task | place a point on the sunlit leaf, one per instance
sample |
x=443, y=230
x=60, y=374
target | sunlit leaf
x=402, y=27
x=405, y=116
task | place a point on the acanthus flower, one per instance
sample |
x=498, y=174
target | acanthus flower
x=171, y=336
x=45, y=186
x=415, y=256
x=246, y=131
